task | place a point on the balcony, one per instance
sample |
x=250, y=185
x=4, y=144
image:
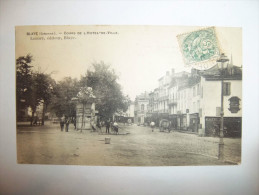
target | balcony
x=163, y=111
x=162, y=98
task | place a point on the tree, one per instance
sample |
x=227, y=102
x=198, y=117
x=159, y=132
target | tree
x=32, y=88
x=109, y=97
x=43, y=90
x=23, y=83
x=63, y=93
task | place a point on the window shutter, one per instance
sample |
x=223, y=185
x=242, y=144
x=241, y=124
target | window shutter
x=226, y=88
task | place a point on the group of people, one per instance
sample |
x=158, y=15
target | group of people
x=112, y=125
x=109, y=124
x=35, y=120
x=65, y=121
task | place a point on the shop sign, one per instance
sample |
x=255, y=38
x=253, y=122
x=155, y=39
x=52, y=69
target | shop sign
x=234, y=104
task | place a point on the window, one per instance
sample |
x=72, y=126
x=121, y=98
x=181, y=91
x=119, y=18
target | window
x=198, y=89
x=226, y=88
x=142, y=107
x=194, y=91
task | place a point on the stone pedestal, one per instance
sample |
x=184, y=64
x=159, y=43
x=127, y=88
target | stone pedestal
x=85, y=115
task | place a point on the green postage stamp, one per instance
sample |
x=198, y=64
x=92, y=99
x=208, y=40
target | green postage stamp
x=199, y=47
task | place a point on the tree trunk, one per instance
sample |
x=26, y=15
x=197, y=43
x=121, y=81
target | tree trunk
x=43, y=113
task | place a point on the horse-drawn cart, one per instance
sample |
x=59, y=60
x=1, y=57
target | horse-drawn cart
x=164, y=125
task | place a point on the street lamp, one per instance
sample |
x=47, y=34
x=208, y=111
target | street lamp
x=223, y=59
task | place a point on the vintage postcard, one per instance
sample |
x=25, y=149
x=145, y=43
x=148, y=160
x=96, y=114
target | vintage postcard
x=129, y=95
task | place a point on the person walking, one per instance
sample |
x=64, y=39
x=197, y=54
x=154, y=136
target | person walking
x=99, y=126
x=116, y=127
x=67, y=123
x=107, y=125
x=152, y=125
x=73, y=121
x=62, y=122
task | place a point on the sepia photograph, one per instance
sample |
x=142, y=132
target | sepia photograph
x=142, y=95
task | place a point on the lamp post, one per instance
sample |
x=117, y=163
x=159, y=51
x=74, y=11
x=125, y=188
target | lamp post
x=222, y=61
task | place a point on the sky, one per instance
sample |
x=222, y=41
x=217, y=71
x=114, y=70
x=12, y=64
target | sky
x=140, y=55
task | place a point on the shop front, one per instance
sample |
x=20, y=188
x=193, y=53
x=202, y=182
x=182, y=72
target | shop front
x=194, y=122
x=182, y=122
x=232, y=126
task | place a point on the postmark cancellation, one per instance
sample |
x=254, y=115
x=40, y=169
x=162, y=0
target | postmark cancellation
x=200, y=48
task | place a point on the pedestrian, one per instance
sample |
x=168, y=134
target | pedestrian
x=107, y=125
x=99, y=126
x=116, y=127
x=92, y=125
x=152, y=125
x=103, y=123
x=111, y=125
x=35, y=120
x=129, y=121
x=62, y=122
x=67, y=121
x=74, y=122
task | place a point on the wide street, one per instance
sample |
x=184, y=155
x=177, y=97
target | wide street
x=134, y=146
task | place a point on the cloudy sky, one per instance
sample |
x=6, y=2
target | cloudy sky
x=139, y=54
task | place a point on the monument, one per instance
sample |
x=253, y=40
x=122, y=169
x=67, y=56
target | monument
x=85, y=108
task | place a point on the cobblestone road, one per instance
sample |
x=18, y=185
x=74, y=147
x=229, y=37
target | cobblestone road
x=134, y=146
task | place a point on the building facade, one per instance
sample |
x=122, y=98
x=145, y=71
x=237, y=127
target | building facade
x=192, y=101
x=141, y=108
x=210, y=101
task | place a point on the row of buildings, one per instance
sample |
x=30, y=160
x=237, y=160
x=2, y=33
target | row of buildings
x=192, y=101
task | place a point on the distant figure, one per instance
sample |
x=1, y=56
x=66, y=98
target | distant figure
x=62, y=122
x=111, y=125
x=107, y=125
x=116, y=127
x=35, y=122
x=99, y=126
x=73, y=121
x=102, y=123
x=129, y=121
x=152, y=125
x=92, y=125
x=67, y=121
